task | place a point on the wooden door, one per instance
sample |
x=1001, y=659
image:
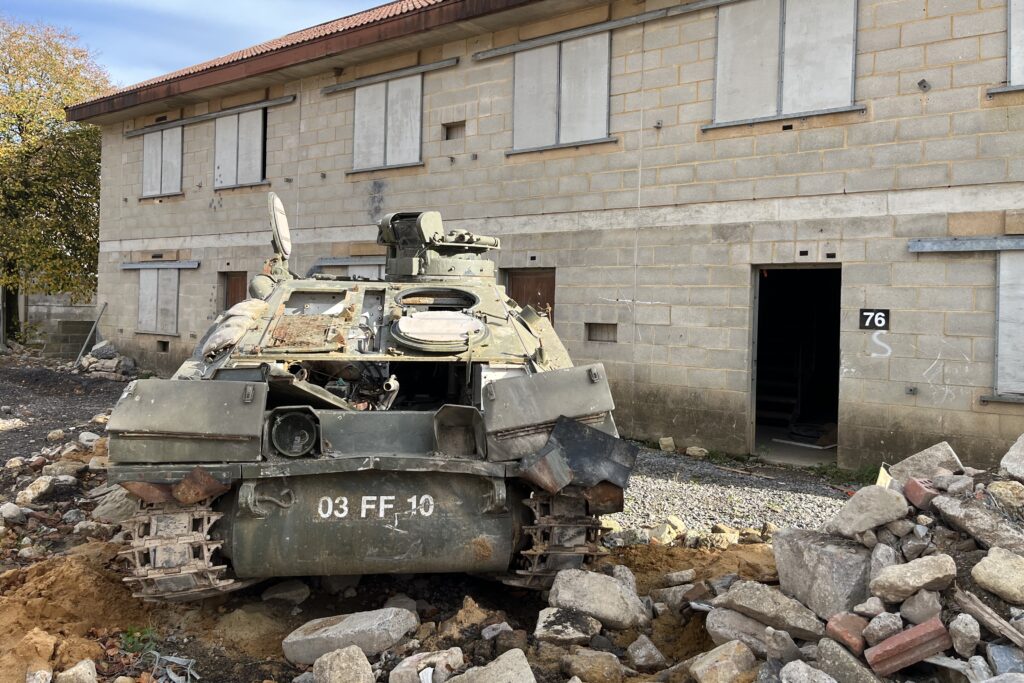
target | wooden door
x=236, y=287
x=533, y=287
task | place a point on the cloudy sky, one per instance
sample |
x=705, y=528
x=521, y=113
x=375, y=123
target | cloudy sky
x=138, y=40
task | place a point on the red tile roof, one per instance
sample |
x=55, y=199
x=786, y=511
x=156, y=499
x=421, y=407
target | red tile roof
x=370, y=16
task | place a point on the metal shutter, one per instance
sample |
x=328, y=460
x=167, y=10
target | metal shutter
x=250, y=147
x=368, y=145
x=147, y=299
x=225, y=154
x=747, y=66
x=583, y=108
x=819, y=52
x=405, y=104
x=167, y=300
x=535, y=98
x=170, y=165
x=152, y=151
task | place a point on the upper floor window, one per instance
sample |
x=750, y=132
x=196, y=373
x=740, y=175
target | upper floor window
x=561, y=93
x=388, y=123
x=161, y=162
x=784, y=58
x=239, y=149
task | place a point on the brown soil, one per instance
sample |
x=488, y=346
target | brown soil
x=651, y=562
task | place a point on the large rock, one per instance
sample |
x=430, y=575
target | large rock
x=966, y=634
x=12, y=514
x=371, y=632
x=592, y=666
x=724, y=664
x=989, y=527
x=899, y=582
x=772, y=608
x=565, y=626
x=511, y=667
x=924, y=464
x=724, y=625
x=837, y=662
x=825, y=573
x=115, y=507
x=801, y=672
x=443, y=663
x=603, y=597
x=1002, y=573
x=37, y=491
x=1009, y=494
x=870, y=507
x=645, y=656
x=882, y=556
x=780, y=646
x=347, y=664
x=1013, y=461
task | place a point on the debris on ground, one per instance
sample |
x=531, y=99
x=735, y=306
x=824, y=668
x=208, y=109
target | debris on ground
x=103, y=361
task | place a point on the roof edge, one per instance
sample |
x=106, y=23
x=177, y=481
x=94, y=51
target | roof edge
x=397, y=26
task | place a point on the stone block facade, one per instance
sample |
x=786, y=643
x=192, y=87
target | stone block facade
x=663, y=229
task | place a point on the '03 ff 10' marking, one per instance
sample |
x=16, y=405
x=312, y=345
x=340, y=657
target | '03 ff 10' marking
x=371, y=506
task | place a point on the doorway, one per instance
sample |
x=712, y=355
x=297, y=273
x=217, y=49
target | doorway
x=533, y=287
x=796, y=364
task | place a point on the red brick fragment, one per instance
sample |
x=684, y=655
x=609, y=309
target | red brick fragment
x=920, y=493
x=909, y=647
x=848, y=629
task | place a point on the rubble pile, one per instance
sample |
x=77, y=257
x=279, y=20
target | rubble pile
x=104, y=362
x=920, y=577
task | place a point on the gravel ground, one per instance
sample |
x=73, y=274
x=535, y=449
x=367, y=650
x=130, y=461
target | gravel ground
x=702, y=494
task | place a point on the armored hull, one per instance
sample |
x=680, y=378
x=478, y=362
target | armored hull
x=330, y=426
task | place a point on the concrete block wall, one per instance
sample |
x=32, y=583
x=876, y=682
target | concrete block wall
x=660, y=230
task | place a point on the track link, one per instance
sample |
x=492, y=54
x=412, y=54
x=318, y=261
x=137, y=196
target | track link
x=562, y=536
x=171, y=554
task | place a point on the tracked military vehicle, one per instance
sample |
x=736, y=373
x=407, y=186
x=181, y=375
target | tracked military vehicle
x=335, y=426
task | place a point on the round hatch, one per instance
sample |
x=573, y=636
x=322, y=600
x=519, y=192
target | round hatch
x=439, y=331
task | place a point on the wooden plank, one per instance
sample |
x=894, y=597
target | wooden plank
x=971, y=604
x=533, y=287
x=225, y=154
x=264, y=104
x=584, y=82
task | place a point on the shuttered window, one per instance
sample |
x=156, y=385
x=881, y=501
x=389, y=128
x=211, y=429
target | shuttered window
x=780, y=58
x=161, y=162
x=388, y=123
x=239, y=149
x=1015, y=35
x=1010, y=340
x=561, y=93
x=158, y=300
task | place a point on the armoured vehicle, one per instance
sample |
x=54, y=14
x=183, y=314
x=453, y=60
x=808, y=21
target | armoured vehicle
x=334, y=426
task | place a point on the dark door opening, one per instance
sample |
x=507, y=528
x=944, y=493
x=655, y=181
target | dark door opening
x=796, y=352
x=533, y=287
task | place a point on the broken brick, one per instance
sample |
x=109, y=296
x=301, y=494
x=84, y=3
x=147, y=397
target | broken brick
x=920, y=492
x=848, y=629
x=909, y=647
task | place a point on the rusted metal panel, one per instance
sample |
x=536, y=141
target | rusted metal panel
x=148, y=492
x=370, y=522
x=197, y=485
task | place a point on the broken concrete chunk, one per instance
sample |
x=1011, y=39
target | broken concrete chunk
x=676, y=597
x=510, y=667
x=899, y=582
x=1002, y=573
x=837, y=662
x=779, y=645
x=37, y=491
x=884, y=626
x=591, y=665
x=565, y=626
x=870, y=507
x=965, y=632
x=668, y=530
x=443, y=663
x=802, y=672
x=83, y=672
x=825, y=573
x=1004, y=659
x=724, y=664
x=921, y=606
x=625, y=576
x=724, y=625
x=373, y=632
x=871, y=607
x=924, y=464
x=908, y=647
x=679, y=578
x=644, y=656
x=600, y=596
x=1013, y=461
x=346, y=664
x=771, y=607
x=1008, y=494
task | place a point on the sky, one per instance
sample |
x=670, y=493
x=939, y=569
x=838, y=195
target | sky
x=137, y=40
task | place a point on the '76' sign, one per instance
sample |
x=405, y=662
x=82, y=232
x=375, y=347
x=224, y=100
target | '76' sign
x=874, y=318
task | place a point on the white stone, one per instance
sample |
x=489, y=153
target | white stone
x=439, y=666
x=925, y=463
x=83, y=672
x=12, y=513
x=727, y=662
x=347, y=664
x=1013, y=461
x=565, y=626
x=644, y=656
x=1002, y=573
x=39, y=488
x=899, y=582
x=801, y=672
x=600, y=596
x=870, y=507
x=511, y=667
x=88, y=439
x=373, y=632
x=966, y=633
x=724, y=625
